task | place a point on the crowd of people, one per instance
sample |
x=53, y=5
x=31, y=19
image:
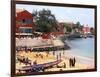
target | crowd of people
x=39, y=55
x=24, y=60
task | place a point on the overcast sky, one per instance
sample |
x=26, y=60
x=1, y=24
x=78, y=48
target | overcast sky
x=65, y=14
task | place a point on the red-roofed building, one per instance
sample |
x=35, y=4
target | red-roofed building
x=86, y=29
x=24, y=22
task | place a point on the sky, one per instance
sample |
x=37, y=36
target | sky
x=65, y=14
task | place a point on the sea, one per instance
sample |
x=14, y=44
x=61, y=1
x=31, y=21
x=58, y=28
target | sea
x=83, y=49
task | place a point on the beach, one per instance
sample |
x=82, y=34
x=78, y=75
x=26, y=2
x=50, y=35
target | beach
x=51, y=58
x=46, y=57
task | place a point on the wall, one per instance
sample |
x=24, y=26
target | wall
x=5, y=38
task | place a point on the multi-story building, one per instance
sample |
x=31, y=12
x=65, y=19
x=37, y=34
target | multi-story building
x=24, y=22
x=86, y=29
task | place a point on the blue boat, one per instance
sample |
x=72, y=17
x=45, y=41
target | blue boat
x=39, y=67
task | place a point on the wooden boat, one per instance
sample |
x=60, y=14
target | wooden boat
x=39, y=67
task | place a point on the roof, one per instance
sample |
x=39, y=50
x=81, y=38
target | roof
x=19, y=10
x=22, y=13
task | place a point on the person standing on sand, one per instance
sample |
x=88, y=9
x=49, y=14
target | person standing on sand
x=60, y=55
x=64, y=65
x=35, y=62
x=74, y=61
x=57, y=56
x=47, y=54
x=70, y=62
x=63, y=51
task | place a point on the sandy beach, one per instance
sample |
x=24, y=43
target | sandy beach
x=49, y=56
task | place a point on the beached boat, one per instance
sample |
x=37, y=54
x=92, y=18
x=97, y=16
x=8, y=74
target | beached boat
x=39, y=67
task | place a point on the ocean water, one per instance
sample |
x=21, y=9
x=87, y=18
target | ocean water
x=83, y=49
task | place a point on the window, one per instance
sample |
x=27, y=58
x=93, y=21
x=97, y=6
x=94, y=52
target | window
x=23, y=20
x=28, y=30
x=22, y=30
x=29, y=21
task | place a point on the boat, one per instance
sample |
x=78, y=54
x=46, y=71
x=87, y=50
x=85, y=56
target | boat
x=39, y=67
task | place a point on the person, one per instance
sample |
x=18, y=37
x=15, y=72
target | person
x=57, y=56
x=63, y=52
x=26, y=60
x=60, y=55
x=61, y=69
x=64, y=65
x=36, y=55
x=53, y=52
x=35, y=62
x=23, y=60
x=47, y=54
x=70, y=62
x=41, y=55
x=74, y=61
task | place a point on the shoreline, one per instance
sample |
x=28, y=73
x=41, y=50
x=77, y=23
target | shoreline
x=51, y=58
x=80, y=59
x=68, y=51
x=65, y=55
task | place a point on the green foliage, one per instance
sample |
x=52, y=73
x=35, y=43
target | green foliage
x=45, y=21
x=67, y=27
x=78, y=24
x=92, y=30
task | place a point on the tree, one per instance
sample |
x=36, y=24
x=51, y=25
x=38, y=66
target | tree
x=45, y=21
x=92, y=30
x=68, y=28
x=78, y=24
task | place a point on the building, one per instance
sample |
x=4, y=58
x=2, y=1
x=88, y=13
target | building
x=86, y=29
x=24, y=22
x=61, y=27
